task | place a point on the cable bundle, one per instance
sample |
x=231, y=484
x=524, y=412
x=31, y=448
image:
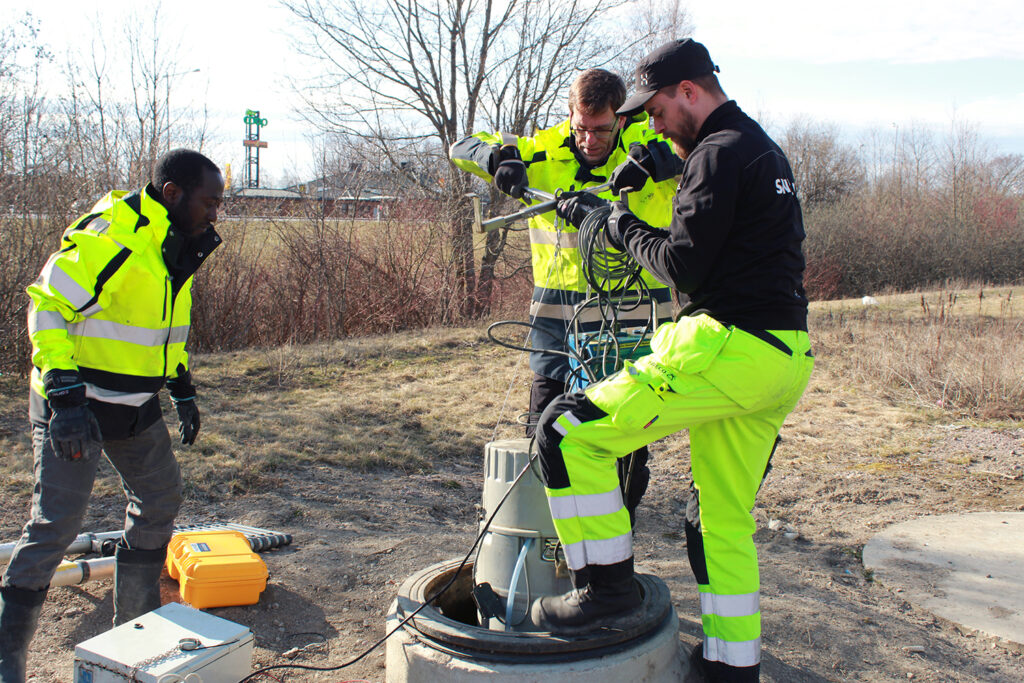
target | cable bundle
x=607, y=270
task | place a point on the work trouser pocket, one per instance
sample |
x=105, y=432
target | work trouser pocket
x=628, y=397
x=689, y=345
x=752, y=372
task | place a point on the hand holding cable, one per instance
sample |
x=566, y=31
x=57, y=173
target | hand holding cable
x=574, y=207
x=615, y=224
x=74, y=431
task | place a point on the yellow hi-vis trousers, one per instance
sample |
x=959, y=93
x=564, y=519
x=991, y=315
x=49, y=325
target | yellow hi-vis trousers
x=733, y=390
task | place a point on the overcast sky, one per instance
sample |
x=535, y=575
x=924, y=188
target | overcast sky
x=870, y=64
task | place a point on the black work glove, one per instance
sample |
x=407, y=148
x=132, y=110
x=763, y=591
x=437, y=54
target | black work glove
x=183, y=396
x=510, y=175
x=618, y=219
x=188, y=419
x=574, y=206
x=654, y=160
x=74, y=431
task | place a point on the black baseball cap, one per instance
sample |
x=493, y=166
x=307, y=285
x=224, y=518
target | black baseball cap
x=673, y=62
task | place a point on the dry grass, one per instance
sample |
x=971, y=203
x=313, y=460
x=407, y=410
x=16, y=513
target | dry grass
x=885, y=377
x=956, y=350
x=404, y=401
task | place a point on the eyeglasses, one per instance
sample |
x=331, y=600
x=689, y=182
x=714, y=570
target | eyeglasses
x=602, y=133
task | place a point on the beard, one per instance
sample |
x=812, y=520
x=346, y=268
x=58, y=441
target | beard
x=684, y=135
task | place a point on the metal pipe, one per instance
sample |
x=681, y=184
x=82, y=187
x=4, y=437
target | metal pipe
x=72, y=573
x=83, y=543
x=259, y=539
x=535, y=193
x=528, y=212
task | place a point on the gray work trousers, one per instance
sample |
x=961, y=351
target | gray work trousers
x=151, y=481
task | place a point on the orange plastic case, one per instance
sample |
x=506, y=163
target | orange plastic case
x=216, y=568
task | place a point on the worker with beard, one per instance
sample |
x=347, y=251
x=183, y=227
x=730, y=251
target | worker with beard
x=730, y=369
x=108, y=320
x=580, y=152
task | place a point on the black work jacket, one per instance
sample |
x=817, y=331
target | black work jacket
x=734, y=242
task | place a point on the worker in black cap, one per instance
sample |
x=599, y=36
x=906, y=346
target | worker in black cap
x=730, y=369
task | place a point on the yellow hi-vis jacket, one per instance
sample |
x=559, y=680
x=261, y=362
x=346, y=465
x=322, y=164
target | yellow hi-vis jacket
x=552, y=165
x=107, y=304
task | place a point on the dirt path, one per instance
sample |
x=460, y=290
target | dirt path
x=850, y=465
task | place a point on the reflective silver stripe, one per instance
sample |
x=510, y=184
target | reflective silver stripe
x=143, y=336
x=570, y=418
x=592, y=314
x=590, y=505
x=99, y=225
x=739, y=653
x=119, y=397
x=574, y=556
x=743, y=605
x=563, y=240
x=563, y=312
x=92, y=310
x=45, y=320
x=179, y=335
x=75, y=294
x=604, y=551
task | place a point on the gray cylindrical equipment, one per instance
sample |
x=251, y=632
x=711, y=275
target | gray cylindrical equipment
x=523, y=519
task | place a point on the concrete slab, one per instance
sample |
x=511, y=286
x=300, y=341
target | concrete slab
x=967, y=568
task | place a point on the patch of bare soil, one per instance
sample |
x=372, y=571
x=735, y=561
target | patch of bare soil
x=357, y=535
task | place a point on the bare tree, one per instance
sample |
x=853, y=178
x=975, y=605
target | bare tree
x=964, y=153
x=652, y=22
x=405, y=72
x=117, y=108
x=825, y=169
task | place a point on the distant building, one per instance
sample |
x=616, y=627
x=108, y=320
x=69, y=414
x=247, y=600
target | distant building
x=356, y=193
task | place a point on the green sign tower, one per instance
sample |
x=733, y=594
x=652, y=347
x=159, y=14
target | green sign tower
x=252, y=144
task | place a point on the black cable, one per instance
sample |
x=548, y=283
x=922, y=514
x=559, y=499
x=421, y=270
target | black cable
x=607, y=270
x=451, y=581
x=571, y=354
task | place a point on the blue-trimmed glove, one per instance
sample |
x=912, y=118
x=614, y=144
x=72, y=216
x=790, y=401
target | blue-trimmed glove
x=654, y=160
x=510, y=175
x=74, y=431
x=574, y=206
x=183, y=396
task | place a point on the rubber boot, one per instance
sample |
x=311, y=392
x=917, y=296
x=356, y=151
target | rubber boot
x=136, y=581
x=610, y=600
x=19, y=616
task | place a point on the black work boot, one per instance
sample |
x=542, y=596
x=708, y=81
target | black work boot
x=703, y=671
x=696, y=661
x=136, y=581
x=19, y=615
x=610, y=600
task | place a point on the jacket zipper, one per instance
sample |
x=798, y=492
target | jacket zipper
x=170, y=320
